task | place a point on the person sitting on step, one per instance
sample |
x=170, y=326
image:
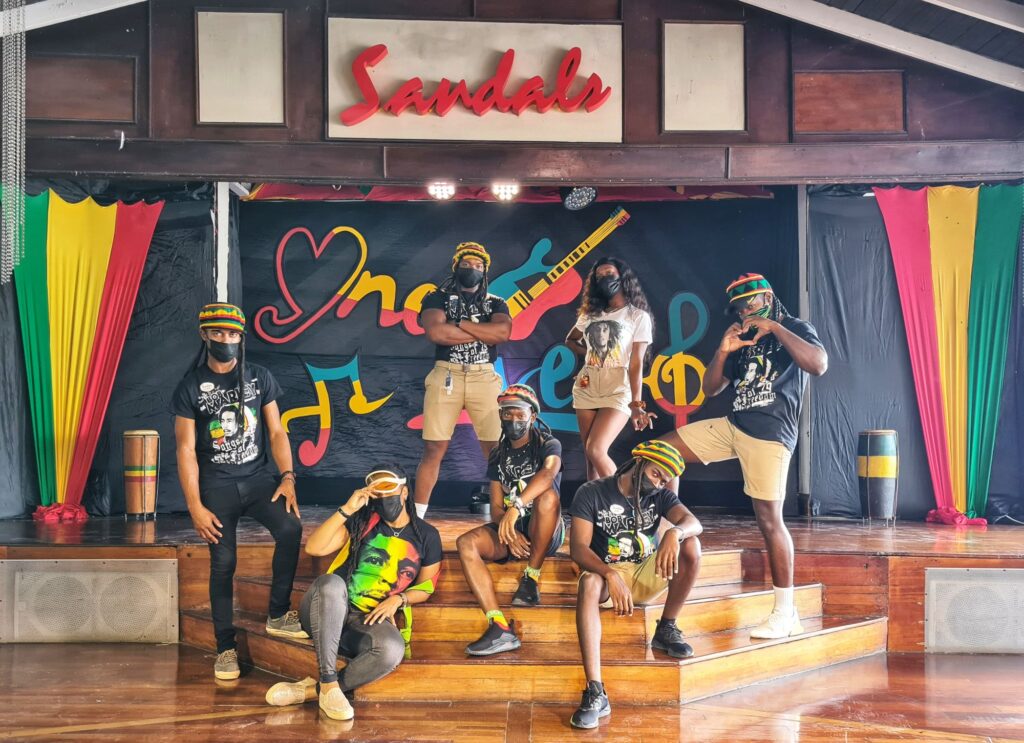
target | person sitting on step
x=387, y=559
x=526, y=515
x=613, y=540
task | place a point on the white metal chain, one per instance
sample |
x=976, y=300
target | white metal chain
x=12, y=139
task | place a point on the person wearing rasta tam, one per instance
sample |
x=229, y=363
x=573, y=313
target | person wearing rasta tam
x=614, y=541
x=526, y=516
x=767, y=355
x=226, y=421
x=612, y=333
x=466, y=324
x=387, y=559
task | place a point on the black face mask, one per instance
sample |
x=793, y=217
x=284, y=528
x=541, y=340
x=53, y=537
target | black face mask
x=609, y=286
x=647, y=488
x=389, y=507
x=469, y=277
x=223, y=352
x=514, y=430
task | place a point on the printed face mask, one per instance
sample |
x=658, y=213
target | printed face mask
x=389, y=507
x=469, y=277
x=223, y=352
x=514, y=430
x=762, y=312
x=609, y=286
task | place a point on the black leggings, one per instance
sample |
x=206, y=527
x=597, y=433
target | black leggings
x=229, y=503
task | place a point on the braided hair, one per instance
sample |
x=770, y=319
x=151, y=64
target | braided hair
x=635, y=481
x=451, y=286
x=768, y=343
x=361, y=519
x=538, y=431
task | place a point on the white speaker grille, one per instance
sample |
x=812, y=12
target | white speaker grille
x=974, y=610
x=88, y=600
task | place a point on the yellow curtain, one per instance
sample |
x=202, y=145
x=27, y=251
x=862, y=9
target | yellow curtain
x=952, y=215
x=78, y=246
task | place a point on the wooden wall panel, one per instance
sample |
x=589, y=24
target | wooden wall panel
x=849, y=102
x=401, y=8
x=552, y=10
x=80, y=88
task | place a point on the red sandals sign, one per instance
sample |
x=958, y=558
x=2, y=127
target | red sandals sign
x=474, y=81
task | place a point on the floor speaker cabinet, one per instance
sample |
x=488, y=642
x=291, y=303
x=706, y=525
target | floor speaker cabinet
x=89, y=601
x=974, y=610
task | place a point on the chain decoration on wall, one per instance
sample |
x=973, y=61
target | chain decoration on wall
x=12, y=139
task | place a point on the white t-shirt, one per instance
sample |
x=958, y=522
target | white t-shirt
x=609, y=336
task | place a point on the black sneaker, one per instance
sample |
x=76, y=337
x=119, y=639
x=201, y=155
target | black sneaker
x=495, y=640
x=528, y=594
x=669, y=639
x=592, y=708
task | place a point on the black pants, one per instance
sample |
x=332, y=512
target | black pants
x=229, y=503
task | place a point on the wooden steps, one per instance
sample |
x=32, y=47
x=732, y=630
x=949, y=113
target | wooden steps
x=551, y=672
x=456, y=616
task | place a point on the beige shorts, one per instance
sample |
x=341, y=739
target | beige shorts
x=765, y=464
x=608, y=387
x=644, y=583
x=475, y=389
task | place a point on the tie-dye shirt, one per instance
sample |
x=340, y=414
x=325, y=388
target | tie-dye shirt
x=388, y=564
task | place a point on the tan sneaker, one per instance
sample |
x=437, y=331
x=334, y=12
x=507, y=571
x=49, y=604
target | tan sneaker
x=336, y=705
x=287, y=625
x=226, y=665
x=286, y=693
x=777, y=626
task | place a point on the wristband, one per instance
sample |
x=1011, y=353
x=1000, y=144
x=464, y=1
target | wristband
x=341, y=510
x=675, y=528
x=286, y=473
x=405, y=599
x=638, y=404
x=516, y=502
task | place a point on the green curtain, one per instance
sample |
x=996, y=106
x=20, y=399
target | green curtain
x=995, y=257
x=33, y=315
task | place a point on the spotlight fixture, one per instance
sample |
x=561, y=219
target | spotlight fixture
x=441, y=190
x=575, y=198
x=505, y=190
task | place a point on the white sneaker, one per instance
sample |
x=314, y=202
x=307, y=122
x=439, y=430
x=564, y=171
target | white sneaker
x=336, y=705
x=777, y=625
x=284, y=693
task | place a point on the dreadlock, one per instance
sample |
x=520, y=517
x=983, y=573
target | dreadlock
x=768, y=343
x=451, y=286
x=203, y=356
x=538, y=431
x=635, y=482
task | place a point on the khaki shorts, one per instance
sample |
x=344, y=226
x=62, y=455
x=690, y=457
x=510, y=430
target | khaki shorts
x=765, y=464
x=475, y=389
x=644, y=583
x=608, y=387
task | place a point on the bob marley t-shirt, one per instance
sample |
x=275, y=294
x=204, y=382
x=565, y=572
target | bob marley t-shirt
x=609, y=336
x=618, y=536
x=514, y=468
x=388, y=563
x=231, y=440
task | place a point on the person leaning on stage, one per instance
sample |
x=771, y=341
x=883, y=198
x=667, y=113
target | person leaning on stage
x=614, y=527
x=388, y=559
x=767, y=355
x=465, y=323
x=526, y=515
x=223, y=430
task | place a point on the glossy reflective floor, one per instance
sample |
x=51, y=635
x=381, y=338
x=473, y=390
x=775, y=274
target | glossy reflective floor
x=165, y=693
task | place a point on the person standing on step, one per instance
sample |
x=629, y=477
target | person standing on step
x=612, y=333
x=226, y=422
x=767, y=355
x=526, y=515
x=614, y=541
x=466, y=324
x=388, y=559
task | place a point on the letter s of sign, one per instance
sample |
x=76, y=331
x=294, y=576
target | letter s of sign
x=371, y=101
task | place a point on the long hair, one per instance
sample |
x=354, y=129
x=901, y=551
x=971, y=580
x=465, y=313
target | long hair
x=538, y=431
x=451, y=286
x=592, y=302
x=635, y=482
x=201, y=358
x=768, y=343
x=357, y=526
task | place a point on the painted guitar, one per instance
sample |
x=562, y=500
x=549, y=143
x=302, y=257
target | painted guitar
x=559, y=285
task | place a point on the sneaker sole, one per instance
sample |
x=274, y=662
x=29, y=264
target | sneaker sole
x=664, y=649
x=522, y=602
x=300, y=635
x=797, y=630
x=227, y=675
x=301, y=700
x=339, y=715
x=494, y=651
x=604, y=713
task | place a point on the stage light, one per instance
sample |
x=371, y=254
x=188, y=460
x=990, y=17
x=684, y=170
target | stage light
x=441, y=190
x=575, y=198
x=505, y=190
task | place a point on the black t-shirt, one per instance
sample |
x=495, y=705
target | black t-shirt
x=517, y=465
x=462, y=306
x=769, y=386
x=388, y=564
x=227, y=451
x=617, y=536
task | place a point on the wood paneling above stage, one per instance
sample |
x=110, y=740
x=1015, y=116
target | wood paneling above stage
x=138, y=74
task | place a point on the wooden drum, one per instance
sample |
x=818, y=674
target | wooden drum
x=141, y=472
x=878, y=465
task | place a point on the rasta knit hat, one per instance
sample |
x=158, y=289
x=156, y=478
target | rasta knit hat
x=474, y=250
x=662, y=454
x=223, y=316
x=747, y=285
x=519, y=395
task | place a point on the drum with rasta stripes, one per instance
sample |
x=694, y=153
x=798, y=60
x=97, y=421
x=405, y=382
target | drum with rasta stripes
x=878, y=472
x=141, y=458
